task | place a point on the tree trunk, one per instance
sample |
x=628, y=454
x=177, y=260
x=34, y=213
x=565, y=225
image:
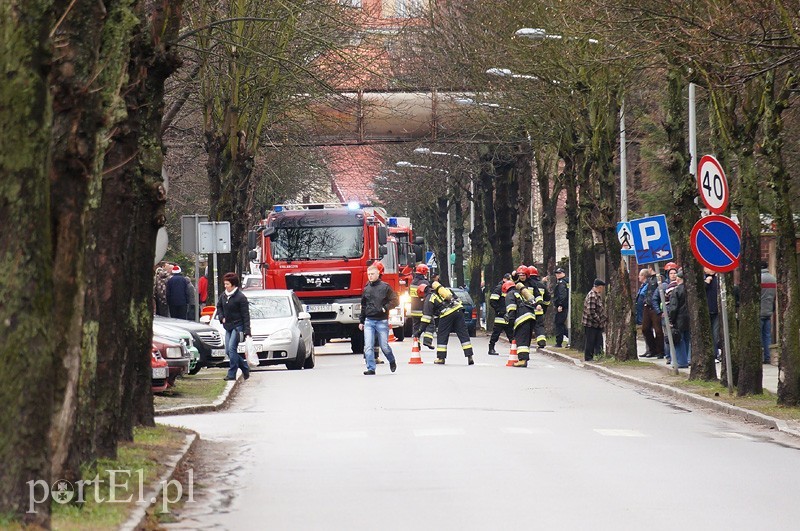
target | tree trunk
x=477, y=252
x=442, y=256
x=458, y=235
x=504, y=213
x=486, y=183
x=524, y=203
x=26, y=288
x=686, y=214
x=788, y=280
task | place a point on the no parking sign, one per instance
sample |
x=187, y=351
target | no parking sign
x=716, y=243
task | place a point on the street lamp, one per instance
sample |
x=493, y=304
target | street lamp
x=427, y=151
x=505, y=72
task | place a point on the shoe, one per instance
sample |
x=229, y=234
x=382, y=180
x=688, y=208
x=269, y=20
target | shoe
x=470, y=361
x=493, y=352
x=589, y=359
x=683, y=366
x=379, y=361
x=439, y=361
x=246, y=375
x=558, y=345
x=661, y=357
x=648, y=355
x=369, y=372
x=227, y=378
x=392, y=366
x=521, y=363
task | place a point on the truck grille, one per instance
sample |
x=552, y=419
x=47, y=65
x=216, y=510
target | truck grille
x=318, y=281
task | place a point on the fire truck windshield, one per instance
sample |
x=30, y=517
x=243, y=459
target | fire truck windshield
x=317, y=243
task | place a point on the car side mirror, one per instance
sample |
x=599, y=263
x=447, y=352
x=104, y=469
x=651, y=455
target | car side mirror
x=303, y=316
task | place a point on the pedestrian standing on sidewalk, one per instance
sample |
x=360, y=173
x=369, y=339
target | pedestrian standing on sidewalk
x=769, y=286
x=377, y=299
x=233, y=311
x=649, y=319
x=678, y=312
x=561, y=303
x=593, y=320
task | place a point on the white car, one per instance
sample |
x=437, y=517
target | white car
x=280, y=328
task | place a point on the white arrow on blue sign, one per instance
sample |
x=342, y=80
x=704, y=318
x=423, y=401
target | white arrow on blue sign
x=651, y=239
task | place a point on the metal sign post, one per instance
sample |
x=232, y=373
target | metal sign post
x=214, y=237
x=728, y=366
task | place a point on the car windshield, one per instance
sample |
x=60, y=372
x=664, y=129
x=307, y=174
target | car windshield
x=269, y=307
x=317, y=243
x=251, y=282
x=462, y=295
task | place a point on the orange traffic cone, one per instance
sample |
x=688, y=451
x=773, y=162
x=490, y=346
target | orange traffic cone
x=392, y=339
x=416, y=359
x=512, y=357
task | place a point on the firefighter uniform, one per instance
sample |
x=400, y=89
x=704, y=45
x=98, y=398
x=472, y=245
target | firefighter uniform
x=451, y=319
x=521, y=312
x=417, y=292
x=498, y=304
x=542, y=302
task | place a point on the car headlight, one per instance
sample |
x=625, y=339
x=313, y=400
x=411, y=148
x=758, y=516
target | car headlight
x=405, y=298
x=174, y=352
x=281, y=335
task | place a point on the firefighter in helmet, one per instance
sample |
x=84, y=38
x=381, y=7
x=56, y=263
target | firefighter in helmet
x=542, y=296
x=520, y=307
x=498, y=304
x=443, y=303
x=418, y=291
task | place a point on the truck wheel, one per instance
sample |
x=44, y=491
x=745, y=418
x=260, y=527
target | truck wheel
x=357, y=342
x=319, y=341
x=408, y=327
x=399, y=333
x=310, y=361
x=297, y=363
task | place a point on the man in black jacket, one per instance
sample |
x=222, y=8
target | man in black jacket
x=233, y=311
x=376, y=301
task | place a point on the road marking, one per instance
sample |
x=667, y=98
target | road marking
x=620, y=433
x=438, y=432
x=339, y=435
x=734, y=435
x=525, y=431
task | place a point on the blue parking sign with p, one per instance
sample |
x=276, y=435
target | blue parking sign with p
x=651, y=239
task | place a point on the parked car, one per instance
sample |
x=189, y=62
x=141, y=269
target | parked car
x=182, y=337
x=206, y=339
x=470, y=312
x=252, y=282
x=176, y=356
x=280, y=328
x=160, y=371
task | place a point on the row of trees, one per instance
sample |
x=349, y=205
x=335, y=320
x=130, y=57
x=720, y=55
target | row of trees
x=82, y=107
x=557, y=107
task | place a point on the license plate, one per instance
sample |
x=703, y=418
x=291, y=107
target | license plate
x=311, y=308
x=218, y=352
x=159, y=373
x=241, y=347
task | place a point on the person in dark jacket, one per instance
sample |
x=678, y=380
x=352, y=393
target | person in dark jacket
x=233, y=311
x=647, y=316
x=561, y=304
x=179, y=294
x=678, y=313
x=376, y=301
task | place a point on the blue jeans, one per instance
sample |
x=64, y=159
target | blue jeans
x=380, y=327
x=237, y=361
x=766, y=336
x=683, y=350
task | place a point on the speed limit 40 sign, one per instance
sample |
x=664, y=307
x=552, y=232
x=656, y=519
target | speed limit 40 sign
x=712, y=184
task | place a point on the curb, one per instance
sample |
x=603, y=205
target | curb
x=721, y=407
x=220, y=403
x=139, y=514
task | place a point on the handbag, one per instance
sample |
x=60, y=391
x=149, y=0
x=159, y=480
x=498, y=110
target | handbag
x=677, y=336
x=250, y=352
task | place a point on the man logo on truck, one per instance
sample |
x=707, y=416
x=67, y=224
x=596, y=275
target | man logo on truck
x=318, y=281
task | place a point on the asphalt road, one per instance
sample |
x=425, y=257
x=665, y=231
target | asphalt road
x=482, y=447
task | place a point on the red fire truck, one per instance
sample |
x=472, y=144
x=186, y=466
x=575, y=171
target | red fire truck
x=322, y=251
x=410, y=251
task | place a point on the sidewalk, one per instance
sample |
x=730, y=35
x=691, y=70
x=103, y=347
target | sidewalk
x=769, y=381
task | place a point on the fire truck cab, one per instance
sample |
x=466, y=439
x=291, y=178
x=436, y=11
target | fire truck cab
x=322, y=251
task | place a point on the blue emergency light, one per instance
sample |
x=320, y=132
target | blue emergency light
x=392, y=222
x=277, y=208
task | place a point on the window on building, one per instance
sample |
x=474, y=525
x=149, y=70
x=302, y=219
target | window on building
x=404, y=8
